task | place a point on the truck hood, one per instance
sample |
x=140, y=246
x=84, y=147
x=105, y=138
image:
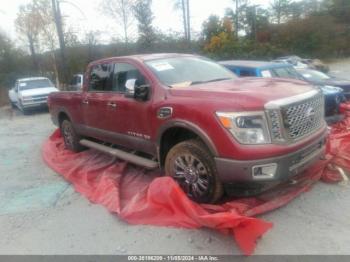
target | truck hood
x=38, y=91
x=245, y=92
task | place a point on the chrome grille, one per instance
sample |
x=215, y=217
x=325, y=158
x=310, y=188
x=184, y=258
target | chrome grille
x=302, y=119
x=292, y=121
x=39, y=97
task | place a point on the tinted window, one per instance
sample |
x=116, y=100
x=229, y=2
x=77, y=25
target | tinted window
x=73, y=81
x=247, y=72
x=32, y=84
x=78, y=79
x=124, y=72
x=100, y=78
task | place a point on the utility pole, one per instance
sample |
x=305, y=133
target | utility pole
x=58, y=21
x=188, y=20
x=236, y=19
x=183, y=6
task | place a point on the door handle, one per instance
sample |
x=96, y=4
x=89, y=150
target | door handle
x=112, y=104
x=85, y=101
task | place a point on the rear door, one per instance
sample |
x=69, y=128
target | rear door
x=94, y=101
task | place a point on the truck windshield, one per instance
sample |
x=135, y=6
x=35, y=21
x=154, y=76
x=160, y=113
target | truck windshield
x=283, y=72
x=186, y=71
x=37, y=83
x=314, y=75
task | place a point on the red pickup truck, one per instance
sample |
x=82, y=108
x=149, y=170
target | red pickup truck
x=195, y=120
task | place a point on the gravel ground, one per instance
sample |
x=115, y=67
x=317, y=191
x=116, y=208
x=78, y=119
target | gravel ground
x=41, y=214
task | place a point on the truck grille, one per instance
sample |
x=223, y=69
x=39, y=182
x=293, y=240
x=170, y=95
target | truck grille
x=299, y=119
x=39, y=98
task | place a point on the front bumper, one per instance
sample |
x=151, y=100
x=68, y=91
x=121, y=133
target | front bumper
x=238, y=171
x=34, y=104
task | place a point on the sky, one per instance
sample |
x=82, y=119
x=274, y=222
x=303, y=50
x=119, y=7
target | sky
x=82, y=16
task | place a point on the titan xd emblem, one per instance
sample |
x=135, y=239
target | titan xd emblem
x=310, y=114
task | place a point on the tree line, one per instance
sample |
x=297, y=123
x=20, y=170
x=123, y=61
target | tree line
x=310, y=28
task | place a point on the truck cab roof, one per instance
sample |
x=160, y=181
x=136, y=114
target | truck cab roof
x=142, y=57
x=31, y=79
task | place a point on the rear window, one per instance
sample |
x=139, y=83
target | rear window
x=32, y=84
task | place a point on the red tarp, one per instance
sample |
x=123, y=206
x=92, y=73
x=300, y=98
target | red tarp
x=141, y=197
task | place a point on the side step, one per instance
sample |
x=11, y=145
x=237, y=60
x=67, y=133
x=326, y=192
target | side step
x=129, y=157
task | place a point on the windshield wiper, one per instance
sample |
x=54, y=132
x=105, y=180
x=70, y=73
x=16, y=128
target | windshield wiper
x=208, y=81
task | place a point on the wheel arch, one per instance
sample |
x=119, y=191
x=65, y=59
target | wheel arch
x=180, y=131
x=62, y=115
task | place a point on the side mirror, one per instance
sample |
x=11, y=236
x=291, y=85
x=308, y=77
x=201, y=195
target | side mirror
x=130, y=88
x=138, y=92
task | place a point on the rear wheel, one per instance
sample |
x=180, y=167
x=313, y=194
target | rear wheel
x=71, y=138
x=193, y=168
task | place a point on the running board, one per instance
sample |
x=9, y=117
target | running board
x=129, y=157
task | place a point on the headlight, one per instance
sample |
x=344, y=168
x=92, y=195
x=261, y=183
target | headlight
x=247, y=127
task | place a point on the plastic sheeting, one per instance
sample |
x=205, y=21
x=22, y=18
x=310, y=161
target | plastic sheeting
x=141, y=197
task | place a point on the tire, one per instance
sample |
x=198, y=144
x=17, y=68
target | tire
x=70, y=136
x=22, y=109
x=193, y=168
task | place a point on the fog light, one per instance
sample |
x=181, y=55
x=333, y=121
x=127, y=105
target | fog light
x=264, y=171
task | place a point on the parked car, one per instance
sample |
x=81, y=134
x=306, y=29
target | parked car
x=301, y=63
x=334, y=96
x=76, y=82
x=195, y=120
x=31, y=92
x=319, y=78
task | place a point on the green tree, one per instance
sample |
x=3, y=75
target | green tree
x=238, y=15
x=280, y=10
x=211, y=27
x=340, y=9
x=144, y=16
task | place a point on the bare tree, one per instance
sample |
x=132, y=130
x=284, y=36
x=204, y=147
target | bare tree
x=28, y=24
x=122, y=12
x=184, y=6
x=48, y=35
x=91, y=39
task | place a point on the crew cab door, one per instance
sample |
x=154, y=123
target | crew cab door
x=112, y=117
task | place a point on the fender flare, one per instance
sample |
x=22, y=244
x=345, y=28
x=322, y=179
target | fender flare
x=190, y=126
x=62, y=110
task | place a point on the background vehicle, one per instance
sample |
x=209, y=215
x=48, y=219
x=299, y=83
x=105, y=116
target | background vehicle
x=319, y=78
x=76, y=82
x=196, y=120
x=334, y=96
x=31, y=92
x=301, y=63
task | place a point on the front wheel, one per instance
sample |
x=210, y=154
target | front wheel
x=71, y=138
x=193, y=168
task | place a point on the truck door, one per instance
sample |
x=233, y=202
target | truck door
x=111, y=116
x=128, y=117
x=94, y=106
